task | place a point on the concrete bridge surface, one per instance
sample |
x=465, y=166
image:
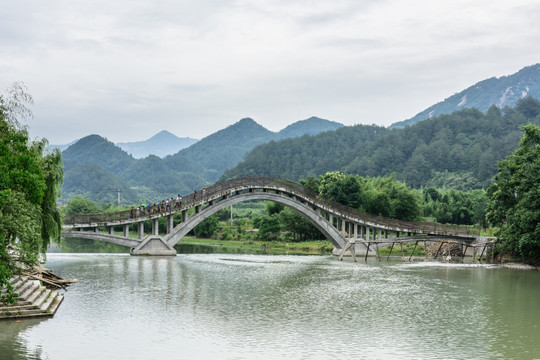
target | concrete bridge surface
x=347, y=228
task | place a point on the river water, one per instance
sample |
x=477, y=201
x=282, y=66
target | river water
x=219, y=306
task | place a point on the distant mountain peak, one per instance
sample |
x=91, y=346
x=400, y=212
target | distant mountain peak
x=161, y=144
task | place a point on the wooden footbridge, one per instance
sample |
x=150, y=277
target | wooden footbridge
x=348, y=229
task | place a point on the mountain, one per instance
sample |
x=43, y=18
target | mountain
x=459, y=150
x=97, y=150
x=210, y=156
x=297, y=158
x=153, y=178
x=501, y=92
x=162, y=144
x=311, y=126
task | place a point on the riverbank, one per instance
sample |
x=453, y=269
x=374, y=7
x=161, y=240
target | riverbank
x=316, y=247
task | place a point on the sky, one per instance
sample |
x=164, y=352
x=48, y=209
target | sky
x=128, y=69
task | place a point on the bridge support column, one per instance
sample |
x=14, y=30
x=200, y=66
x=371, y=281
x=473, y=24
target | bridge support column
x=184, y=215
x=126, y=230
x=155, y=226
x=140, y=229
x=153, y=245
x=170, y=226
x=355, y=230
x=110, y=230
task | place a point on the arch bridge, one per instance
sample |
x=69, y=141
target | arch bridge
x=347, y=228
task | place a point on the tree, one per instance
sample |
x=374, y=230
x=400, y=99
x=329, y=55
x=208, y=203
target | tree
x=269, y=227
x=515, y=198
x=80, y=205
x=30, y=179
x=207, y=228
x=298, y=226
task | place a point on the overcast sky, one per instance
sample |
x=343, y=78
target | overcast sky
x=128, y=69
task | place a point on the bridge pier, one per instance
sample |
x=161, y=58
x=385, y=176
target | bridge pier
x=153, y=245
x=140, y=229
x=170, y=223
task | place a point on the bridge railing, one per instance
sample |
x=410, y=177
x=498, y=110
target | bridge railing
x=228, y=186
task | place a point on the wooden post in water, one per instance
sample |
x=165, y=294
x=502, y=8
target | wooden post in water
x=482, y=253
x=439, y=249
x=464, y=252
x=391, y=247
x=415, y=244
x=367, y=251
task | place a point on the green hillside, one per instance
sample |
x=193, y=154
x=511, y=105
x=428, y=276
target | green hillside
x=459, y=151
x=92, y=181
x=97, y=150
x=297, y=158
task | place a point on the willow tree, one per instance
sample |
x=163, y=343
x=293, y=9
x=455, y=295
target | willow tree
x=30, y=179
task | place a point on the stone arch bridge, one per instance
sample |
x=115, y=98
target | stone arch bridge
x=347, y=228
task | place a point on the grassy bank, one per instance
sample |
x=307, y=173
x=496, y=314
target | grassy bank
x=255, y=246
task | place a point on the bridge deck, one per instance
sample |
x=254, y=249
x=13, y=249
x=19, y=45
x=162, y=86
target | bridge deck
x=289, y=188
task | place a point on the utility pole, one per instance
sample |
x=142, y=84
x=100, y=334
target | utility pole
x=231, y=216
x=118, y=197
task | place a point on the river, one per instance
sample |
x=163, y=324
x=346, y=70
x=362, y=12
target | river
x=228, y=306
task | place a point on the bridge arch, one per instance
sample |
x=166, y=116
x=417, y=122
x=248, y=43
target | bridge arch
x=308, y=212
x=356, y=226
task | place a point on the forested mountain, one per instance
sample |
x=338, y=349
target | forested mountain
x=311, y=126
x=97, y=150
x=162, y=144
x=460, y=150
x=220, y=150
x=97, y=168
x=224, y=149
x=297, y=158
x=501, y=92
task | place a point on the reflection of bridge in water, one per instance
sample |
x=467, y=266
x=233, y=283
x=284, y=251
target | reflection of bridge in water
x=348, y=229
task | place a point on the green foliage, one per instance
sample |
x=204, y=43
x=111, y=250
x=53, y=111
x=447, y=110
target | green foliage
x=269, y=227
x=297, y=226
x=80, y=205
x=378, y=196
x=455, y=206
x=273, y=207
x=207, y=228
x=515, y=197
x=29, y=183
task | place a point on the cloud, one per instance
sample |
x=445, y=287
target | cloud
x=128, y=69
